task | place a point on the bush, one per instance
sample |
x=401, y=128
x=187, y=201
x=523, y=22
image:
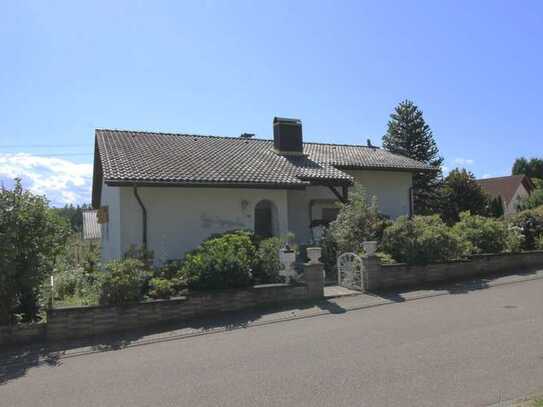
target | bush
x=329, y=254
x=220, y=262
x=487, y=235
x=31, y=236
x=267, y=263
x=161, y=288
x=123, y=281
x=422, y=240
x=141, y=253
x=357, y=221
x=532, y=201
x=166, y=280
x=539, y=243
x=530, y=223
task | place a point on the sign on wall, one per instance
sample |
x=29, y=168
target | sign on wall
x=102, y=215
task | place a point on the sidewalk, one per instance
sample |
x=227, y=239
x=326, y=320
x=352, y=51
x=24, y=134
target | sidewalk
x=250, y=318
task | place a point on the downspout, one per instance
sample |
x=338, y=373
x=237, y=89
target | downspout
x=411, y=203
x=143, y=217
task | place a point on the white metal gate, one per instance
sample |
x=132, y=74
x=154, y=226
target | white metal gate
x=349, y=271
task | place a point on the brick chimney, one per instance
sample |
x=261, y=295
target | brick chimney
x=287, y=136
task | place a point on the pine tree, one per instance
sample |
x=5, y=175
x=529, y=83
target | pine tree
x=409, y=135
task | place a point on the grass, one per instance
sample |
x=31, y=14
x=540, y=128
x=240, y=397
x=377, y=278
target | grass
x=531, y=402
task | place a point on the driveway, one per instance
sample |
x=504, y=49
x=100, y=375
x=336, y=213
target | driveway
x=473, y=348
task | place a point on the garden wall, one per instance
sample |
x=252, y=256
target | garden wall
x=394, y=276
x=75, y=322
x=20, y=334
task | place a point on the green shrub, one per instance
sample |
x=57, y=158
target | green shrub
x=358, y=220
x=539, y=243
x=385, y=258
x=162, y=288
x=141, y=253
x=532, y=201
x=123, y=281
x=487, y=235
x=530, y=223
x=220, y=262
x=422, y=240
x=267, y=263
x=329, y=254
x=31, y=237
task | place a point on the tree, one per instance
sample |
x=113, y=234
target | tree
x=495, y=207
x=532, y=168
x=31, y=236
x=73, y=214
x=461, y=193
x=532, y=201
x=409, y=135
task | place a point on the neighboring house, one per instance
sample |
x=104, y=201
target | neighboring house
x=172, y=191
x=91, y=228
x=511, y=189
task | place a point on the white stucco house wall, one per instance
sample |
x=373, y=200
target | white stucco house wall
x=170, y=192
x=510, y=189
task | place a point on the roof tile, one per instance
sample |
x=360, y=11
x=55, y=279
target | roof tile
x=128, y=156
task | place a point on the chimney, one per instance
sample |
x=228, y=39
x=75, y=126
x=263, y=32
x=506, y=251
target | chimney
x=287, y=136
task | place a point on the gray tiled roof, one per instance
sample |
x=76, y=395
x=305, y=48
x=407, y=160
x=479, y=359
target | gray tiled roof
x=143, y=157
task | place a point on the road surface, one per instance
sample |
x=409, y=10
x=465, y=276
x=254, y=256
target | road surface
x=470, y=349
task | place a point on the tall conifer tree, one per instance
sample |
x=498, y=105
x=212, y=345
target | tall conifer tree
x=409, y=135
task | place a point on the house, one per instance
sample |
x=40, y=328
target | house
x=169, y=192
x=511, y=190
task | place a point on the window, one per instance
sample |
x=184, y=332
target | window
x=329, y=214
x=264, y=219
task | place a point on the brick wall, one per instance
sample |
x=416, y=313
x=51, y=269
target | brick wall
x=74, y=322
x=21, y=334
x=394, y=276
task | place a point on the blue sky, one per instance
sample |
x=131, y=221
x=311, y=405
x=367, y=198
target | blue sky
x=227, y=67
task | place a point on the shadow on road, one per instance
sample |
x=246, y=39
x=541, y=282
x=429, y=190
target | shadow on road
x=450, y=287
x=15, y=361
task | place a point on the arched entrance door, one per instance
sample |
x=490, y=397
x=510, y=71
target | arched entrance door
x=264, y=219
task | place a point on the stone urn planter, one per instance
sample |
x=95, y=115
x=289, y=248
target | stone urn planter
x=313, y=254
x=287, y=257
x=370, y=248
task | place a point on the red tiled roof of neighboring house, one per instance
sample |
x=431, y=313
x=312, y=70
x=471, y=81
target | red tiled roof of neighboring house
x=130, y=157
x=505, y=187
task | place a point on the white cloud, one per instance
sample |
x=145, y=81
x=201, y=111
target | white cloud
x=464, y=161
x=487, y=176
x=444, y=169
x=62, y=181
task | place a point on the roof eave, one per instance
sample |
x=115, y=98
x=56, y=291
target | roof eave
x=385, y=168
x=206, y=184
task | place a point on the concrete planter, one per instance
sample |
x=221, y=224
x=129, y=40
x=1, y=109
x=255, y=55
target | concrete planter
x=288, y=258
x=314, y=254
x=370, y=248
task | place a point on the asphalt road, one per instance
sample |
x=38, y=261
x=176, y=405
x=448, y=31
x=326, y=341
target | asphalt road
x=471, y=349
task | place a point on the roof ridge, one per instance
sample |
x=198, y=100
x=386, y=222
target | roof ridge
x=160, y=133
x=502, y=177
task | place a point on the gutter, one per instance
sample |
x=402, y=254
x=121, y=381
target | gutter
x=143, y=217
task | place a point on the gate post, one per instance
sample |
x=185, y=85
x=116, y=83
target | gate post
x=314, y=275
x=371, y=273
